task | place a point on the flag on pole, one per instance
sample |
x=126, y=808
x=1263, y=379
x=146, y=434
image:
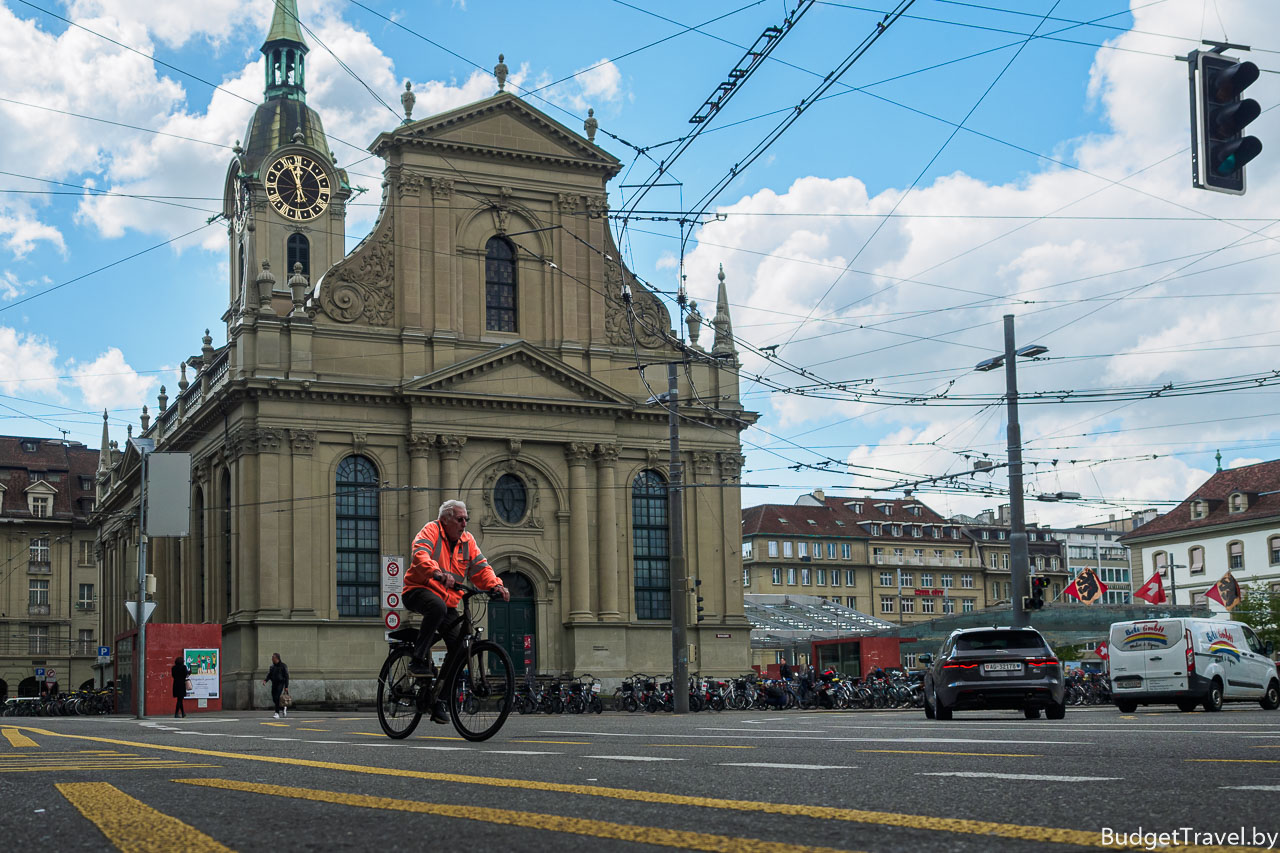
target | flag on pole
x=1226, y=592
x=1102, y=651
x=1086, y=587
x=1152, y=590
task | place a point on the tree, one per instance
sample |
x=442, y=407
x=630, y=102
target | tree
x=1260, y=610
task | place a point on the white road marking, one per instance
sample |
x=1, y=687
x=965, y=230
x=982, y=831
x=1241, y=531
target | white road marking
x=1250, y=787
x=789, y=766
x=444, y=748
x=635, y=757
x=328, y=741
x=521, y=752
x=1023, y=777
x=828, y=738
x=775, y=731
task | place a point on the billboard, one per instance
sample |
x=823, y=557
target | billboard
x=203, y=664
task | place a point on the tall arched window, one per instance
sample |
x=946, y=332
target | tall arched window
x=499, y=285
x=197, y=516
x=297, y=251
x=650, y=535
x=357, y=527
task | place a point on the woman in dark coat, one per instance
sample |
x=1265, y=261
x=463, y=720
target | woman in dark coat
x=180, y=675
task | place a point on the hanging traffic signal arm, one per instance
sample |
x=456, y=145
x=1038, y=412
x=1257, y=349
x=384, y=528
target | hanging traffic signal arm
x=1219, y=115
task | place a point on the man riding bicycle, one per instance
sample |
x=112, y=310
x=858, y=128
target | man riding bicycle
x=444, y=555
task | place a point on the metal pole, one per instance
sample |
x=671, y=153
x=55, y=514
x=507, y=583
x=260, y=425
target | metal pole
x=140, y=654
x=1018, y=551
x=679, y=593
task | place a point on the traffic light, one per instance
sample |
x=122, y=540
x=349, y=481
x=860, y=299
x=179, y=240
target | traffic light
x=1038, y=586
x=697, y=599
x=1220, y=150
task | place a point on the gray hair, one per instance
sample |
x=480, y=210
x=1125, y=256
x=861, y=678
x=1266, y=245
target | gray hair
x=451, y=507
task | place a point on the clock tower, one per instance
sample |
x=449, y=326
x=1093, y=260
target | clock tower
x=284, y=196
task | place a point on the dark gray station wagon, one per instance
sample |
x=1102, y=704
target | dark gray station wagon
x=993, y=669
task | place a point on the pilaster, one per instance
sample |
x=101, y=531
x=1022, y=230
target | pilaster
x=578, y=454
x=607, y=541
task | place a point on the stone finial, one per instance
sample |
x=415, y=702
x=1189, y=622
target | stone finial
x=183, y=382
x=500, y=71
x=298, y=287
x=266, y=282
x=236, y=149
x=297, y=135
x=694, y=323
x=128, y=430
x=407, y=99
x=206, y=348
x=145, y=420
x=590, y=125
x=162, y=400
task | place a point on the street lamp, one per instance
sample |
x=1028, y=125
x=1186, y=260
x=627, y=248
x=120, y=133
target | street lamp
x=1019, y=556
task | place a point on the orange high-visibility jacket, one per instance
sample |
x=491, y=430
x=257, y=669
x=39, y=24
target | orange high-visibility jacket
x=464, y=562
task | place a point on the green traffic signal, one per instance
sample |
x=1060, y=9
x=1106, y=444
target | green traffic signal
x=1219, y=116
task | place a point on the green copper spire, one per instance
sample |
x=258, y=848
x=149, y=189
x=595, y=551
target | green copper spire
x=285, y=50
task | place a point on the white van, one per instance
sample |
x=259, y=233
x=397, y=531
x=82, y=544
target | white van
x=1190, y=662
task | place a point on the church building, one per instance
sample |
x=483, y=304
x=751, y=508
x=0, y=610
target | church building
x=484, y=342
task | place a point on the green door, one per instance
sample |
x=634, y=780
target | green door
x=510, y=622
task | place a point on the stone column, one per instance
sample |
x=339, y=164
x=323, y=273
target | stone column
x=577, y=454
x=301, y=568
x=244, y=523
x=705, y=554
x=450, y=449
x=269, y=520
x=420, y=500
x=607, y=525
x=730, y=509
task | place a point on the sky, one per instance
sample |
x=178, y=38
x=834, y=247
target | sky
x=974, y=159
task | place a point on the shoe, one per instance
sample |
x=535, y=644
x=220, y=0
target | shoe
x=284, y=712
x=277, y=716
x=440, y=714
x=420, y=668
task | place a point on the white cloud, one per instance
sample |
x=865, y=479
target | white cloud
x=30, y=363
x=596, y=85
x=110, y=382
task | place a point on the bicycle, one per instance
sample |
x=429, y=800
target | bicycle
x=478, y=676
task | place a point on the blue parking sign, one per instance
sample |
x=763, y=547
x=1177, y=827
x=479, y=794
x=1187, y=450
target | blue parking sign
x=39, y=672
x=104, y=651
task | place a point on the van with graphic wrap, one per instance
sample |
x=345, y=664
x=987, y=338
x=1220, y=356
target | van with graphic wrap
x=1190, y=662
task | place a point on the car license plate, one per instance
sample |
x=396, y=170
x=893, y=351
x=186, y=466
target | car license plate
x=1002, y=668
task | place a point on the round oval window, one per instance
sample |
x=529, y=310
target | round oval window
x=510, y=498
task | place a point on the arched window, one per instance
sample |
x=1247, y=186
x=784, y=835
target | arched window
x=357, y=526
x=510, y=498
x=649, y=533
x=499, y=285
x=1160, y=562
x=1195, y=560
x=297, y=251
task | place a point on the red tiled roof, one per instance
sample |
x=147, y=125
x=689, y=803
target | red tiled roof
x=20, y=468
x=1250, y=479
x=766, y=519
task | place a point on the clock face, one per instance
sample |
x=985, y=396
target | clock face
x=297, y=187
x=243, y=205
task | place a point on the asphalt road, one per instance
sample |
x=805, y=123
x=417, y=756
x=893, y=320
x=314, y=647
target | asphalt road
x=852, y=780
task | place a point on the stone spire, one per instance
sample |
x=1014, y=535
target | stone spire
x=724, y=328
x=285, y=50
x=104, y=454
x=500, y=71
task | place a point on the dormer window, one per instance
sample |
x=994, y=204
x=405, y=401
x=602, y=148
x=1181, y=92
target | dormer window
x=782, y=520
x=1238, y=502
x=917, y=531
x=839, y=523
x=811, y=521
x=955, y=533
x=857, y=507
x=40, y=499
x=986, y=534
x=887, y=509
x=1199, y=509
x=999, y=534
x=897, y=530
x=30, y=445
x=875, y=528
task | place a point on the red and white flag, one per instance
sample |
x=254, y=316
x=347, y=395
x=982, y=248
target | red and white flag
x=1102, y=651
x=1087, y=587
x=1152, y=590
x=1226, y=592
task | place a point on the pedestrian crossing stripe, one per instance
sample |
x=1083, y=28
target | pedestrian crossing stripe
x=130, y=824
x=17, y=738
x=42, y=762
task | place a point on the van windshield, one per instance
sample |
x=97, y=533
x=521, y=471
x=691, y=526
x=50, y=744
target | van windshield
x=1146, y=635
x=983, y=641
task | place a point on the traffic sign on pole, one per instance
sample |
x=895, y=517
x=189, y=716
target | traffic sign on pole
x=392, y=620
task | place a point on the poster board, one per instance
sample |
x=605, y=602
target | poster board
x=205, y=678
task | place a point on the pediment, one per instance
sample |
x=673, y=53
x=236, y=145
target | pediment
x=40, y=487
x=502, y=125
x=517, y=372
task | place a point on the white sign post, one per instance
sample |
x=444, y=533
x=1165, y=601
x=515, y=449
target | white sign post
x=393, y=569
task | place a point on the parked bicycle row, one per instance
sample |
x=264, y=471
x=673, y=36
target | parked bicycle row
x=80, y=703
x=653, y=693
x=579, y=695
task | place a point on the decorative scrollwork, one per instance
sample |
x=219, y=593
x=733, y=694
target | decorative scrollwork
x=361, y=287
x=650, y=321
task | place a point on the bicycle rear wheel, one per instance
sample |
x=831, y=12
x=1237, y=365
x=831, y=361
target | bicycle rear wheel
x=398, y=711
x=483, y=691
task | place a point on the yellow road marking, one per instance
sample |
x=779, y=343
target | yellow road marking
x=312, y=730
x=937, y=752
x=279, y=725
x=167, y=765
x=679, y=839
x=436, y=737
x=699, y=746
x=17, y=738
x=133, y=826
x=1041, y=834
x=570, y=742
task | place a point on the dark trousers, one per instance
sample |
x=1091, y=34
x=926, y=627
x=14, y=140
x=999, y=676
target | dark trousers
x=178, y=710
x=277, y=687
x=435, y=617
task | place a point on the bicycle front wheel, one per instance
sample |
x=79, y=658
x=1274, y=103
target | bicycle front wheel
x=483, y=691
x=398, y=711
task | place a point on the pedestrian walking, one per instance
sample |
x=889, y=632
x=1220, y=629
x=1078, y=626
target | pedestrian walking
x=278, y=675
x=180, y=675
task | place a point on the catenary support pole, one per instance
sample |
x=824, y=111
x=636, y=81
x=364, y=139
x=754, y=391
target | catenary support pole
x=140, y=654
x=679, y=593
x=1018, y=552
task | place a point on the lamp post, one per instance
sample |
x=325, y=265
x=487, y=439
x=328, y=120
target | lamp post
x=1018, y=552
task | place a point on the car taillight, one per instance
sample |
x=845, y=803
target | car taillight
x=959, y=666
x=1191, y=655
x=1042, y=661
